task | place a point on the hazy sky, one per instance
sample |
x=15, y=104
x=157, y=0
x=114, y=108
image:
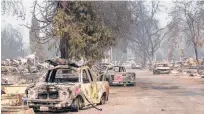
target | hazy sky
x=16, y=23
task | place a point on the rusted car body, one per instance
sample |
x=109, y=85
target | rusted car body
x=161, y=68
x=67, y=87
x=117, y=75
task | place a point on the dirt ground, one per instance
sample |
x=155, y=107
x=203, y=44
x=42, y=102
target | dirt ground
x=154, y=94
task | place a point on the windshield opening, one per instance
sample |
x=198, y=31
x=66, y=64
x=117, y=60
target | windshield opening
x=62, y=76
x=162, y=65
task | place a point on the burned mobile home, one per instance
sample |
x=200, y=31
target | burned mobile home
x=67, y=86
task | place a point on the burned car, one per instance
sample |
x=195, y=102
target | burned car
x=136, y=66
x=66, y=87
x=102, y=67
x=117, y=75
x=161, y=68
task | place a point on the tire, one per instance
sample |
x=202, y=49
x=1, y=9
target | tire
x=106, y=98
x=75, y=106
x=154, y=72
x=103, y=99
x=168, y=73
x=81, y=103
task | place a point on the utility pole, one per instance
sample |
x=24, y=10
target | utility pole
x=181, y=47
x=111, y=54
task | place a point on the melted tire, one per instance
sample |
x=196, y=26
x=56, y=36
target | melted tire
x=81, y=103
x=75, y=106
x=103, y=100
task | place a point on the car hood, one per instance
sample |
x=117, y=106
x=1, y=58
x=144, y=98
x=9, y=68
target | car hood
x=120, y=73
x=45, y=85
x=166, y=68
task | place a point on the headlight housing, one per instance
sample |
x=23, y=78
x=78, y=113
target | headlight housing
x=63, y=95
x=31, y=94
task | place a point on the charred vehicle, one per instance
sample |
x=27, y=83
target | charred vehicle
x=117, y=75
x=136, y=66
x=161, y=68
x=102, y=67
x=67, y=87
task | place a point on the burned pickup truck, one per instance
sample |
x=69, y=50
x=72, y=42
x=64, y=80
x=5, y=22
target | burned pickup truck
x=117, y=75
x=67, y=87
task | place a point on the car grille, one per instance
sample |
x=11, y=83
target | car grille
x=42, y=95
x=163, y=69
x=53, y=95
x=50, y=95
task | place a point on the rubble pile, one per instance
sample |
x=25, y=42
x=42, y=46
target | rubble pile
x=189, y=67
x=15, y=70
x=17, y=74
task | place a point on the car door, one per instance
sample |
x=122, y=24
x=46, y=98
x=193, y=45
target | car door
x=86, y=86
x=104, y=83
x=123, y=69
x=94, y=88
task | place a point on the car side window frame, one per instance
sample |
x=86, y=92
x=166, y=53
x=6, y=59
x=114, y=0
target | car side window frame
x=120, y=69
x=124, y=70
x=47, y=77
x=101, y=77
x=89, y=75
x=85, y=81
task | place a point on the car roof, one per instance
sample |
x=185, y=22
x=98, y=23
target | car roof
x=69, y=67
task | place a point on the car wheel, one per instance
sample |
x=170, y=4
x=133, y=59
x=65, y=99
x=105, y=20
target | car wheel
x=107, y=98
x=158, y=72
x=154, y=72
x=169, y=72
x=81, y=103
x=75, y=106
x=103, y=99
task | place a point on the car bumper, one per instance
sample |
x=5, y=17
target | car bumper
x=164, y=72
x=45, y=105
x=123, y=83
